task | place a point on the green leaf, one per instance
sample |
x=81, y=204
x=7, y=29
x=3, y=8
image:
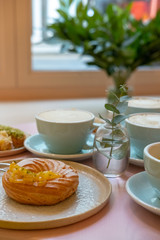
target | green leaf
x=111, y=108
x=131, y=40
x=111, y=141
x=105, y=119
x=119, y=118
x=70, y=2
x=63, y=14
x=104, y=144
x=79, y=9
x=122, y=106
x=62, y=3
x=114, y=97
x=118, y=133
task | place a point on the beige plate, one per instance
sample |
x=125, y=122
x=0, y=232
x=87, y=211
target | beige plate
x=93, y=193
x=12, y=152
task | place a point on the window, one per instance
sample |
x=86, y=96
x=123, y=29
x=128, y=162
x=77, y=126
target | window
x=46, y=51
x=29, y=63
x=56, y=84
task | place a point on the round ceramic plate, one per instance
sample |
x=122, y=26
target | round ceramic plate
x=13, y=151
x=142, y=193
x=91, y=196
x=36, y=145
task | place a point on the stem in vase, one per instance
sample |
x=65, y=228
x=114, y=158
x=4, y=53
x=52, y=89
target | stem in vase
x=110, y=155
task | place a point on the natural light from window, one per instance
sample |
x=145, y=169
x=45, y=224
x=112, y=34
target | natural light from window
x=46, y=51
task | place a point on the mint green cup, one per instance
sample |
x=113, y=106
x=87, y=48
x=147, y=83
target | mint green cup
x=143, y=129
x=152, y=165
x=143, y=104
x=64, y=131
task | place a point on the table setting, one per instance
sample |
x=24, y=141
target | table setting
x=99, y=202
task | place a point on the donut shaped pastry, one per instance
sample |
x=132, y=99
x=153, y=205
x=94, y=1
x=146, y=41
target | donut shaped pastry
x=38, y=181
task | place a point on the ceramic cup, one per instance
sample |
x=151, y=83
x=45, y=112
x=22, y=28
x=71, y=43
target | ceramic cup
x=152, y=165
x=143, y=104
x=64, y=131
x=143, y=129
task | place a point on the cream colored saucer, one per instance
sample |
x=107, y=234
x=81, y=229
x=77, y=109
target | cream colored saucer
x=12, y=152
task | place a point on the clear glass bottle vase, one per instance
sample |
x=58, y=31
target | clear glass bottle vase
x=111, y=150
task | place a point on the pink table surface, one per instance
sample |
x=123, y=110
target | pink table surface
x=120, y=219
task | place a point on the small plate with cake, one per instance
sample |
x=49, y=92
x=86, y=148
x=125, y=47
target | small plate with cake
x=11, y=141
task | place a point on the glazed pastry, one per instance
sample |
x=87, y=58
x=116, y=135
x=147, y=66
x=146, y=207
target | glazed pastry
x=16, y=135
x=38, y=181
x=5, y=141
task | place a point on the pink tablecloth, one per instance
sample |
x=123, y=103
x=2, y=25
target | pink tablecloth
x=120, y=219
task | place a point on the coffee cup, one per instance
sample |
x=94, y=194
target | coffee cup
x=143, y=104
x=64, y=131
x=143, y=129
x=152, y=165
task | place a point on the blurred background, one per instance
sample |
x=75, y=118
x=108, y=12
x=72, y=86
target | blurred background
x=32, y=65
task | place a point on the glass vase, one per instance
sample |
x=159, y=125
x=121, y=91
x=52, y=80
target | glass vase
x=119, y=77
x=111, y=150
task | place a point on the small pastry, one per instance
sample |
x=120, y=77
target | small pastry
x=16, y=135
x=5, y=141
x=38, y=181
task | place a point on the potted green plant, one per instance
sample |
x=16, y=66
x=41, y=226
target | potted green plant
x=116, y=41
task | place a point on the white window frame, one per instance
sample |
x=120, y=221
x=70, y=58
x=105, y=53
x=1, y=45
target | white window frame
x=20, y=82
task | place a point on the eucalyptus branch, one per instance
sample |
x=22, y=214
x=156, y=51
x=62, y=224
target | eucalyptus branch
x=118, y=109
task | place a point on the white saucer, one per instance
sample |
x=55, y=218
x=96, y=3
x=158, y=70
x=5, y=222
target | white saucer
x=91, y=196
x=36, y=145
x=134, y=159
x=142, y=193
x=12, y=152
